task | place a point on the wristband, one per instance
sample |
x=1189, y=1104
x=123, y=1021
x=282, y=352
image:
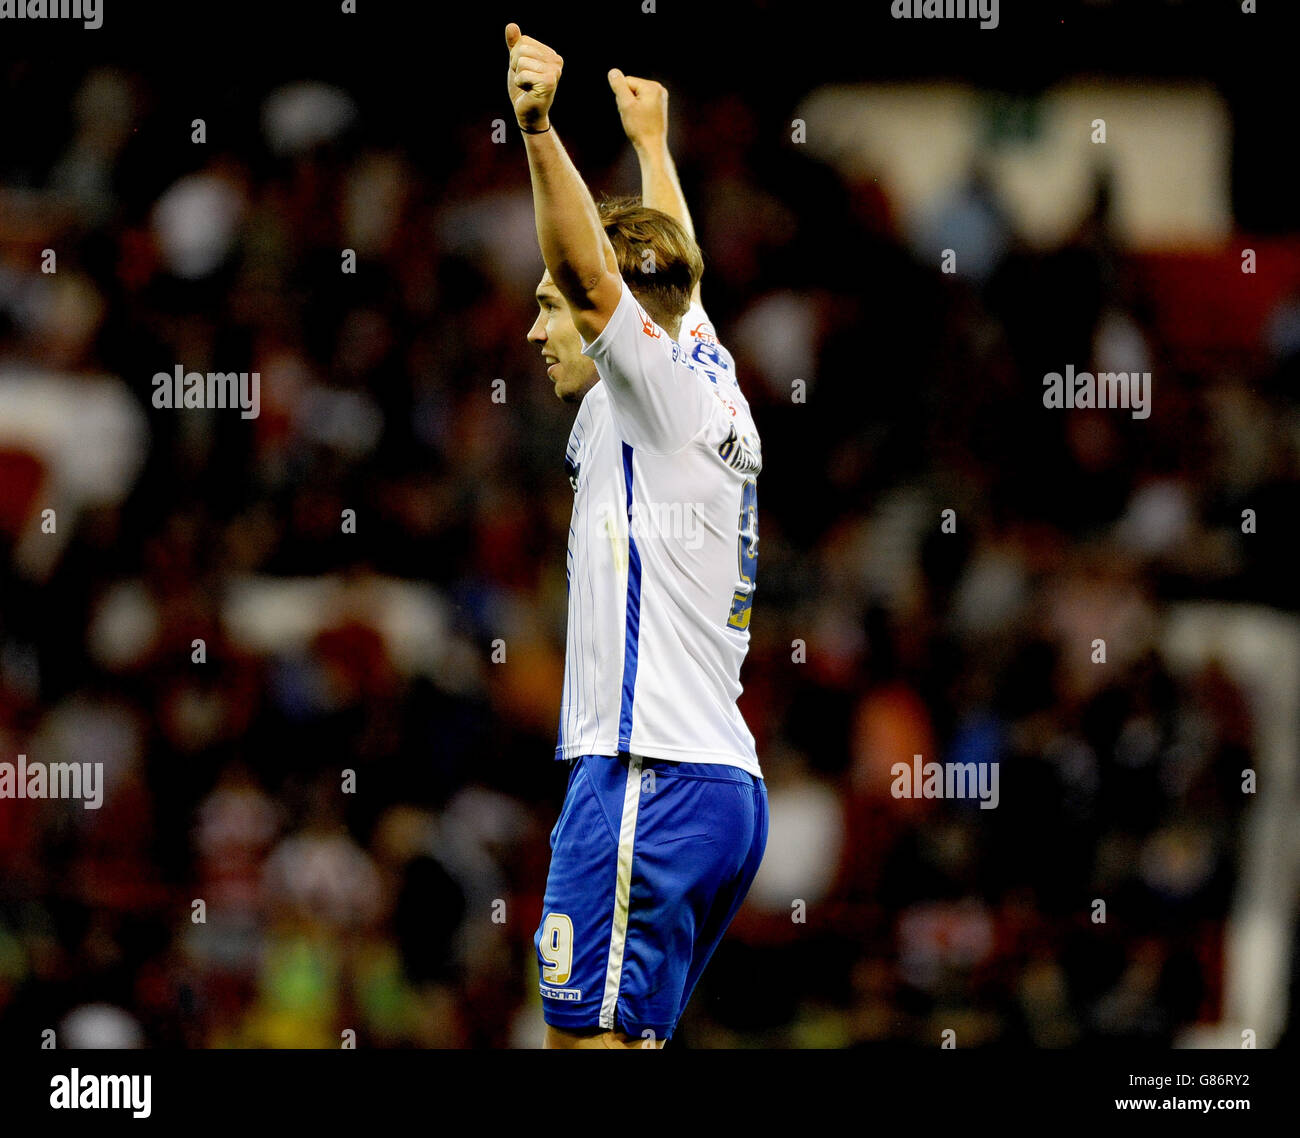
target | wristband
x=527, y=131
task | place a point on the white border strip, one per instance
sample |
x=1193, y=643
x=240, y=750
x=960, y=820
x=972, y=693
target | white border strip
x=1261, y=648
x=622, y=891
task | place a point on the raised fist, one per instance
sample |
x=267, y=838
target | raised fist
x=533, y=77
x=643, y=107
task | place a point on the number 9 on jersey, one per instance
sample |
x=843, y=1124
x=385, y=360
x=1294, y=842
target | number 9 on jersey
x=747, y=556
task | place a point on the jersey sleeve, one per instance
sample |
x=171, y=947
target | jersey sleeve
x=659, y=402
x=699, y=340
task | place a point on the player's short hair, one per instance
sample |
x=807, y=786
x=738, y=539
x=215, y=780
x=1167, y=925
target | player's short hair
x=646, y=239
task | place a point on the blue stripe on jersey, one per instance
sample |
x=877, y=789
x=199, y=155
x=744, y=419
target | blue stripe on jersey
x=595, y=683
x=564, y=692
x=580, y=671
x=633, y=615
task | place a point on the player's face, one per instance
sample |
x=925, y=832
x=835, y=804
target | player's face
x=572, y=373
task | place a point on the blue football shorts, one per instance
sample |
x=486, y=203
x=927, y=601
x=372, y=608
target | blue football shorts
x=650, y=861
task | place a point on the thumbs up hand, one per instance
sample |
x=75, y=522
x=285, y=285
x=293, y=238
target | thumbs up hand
x=532, y=79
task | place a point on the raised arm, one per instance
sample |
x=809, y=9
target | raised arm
x=577, y=253
x=643, y=107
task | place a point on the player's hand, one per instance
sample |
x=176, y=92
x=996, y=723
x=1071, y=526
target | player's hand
x=643, y=107
x=533, y=77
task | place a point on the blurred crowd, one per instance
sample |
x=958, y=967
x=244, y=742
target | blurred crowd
x=328, y=807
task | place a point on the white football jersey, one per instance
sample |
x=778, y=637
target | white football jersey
x=663, y=546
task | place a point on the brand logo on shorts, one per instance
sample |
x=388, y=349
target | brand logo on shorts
x=572, y=994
